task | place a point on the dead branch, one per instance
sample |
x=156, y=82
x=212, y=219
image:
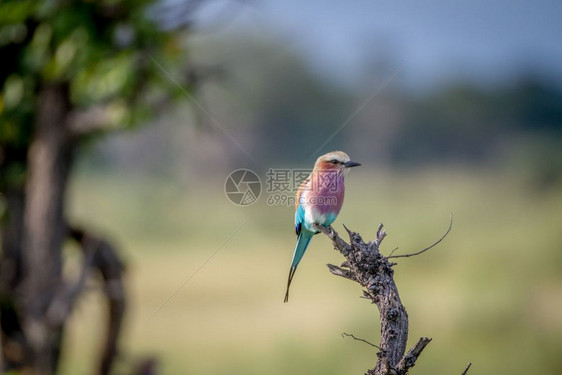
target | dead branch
x=427, y=248
x=411, y=357
x=467, y=368
x=359, y=339
x=105, y=260
x=365, y=265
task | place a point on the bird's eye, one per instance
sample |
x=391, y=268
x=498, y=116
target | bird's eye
x=334, y=161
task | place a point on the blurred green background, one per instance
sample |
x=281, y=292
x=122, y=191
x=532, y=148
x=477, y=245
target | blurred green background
x=476, y=132
x=489, y=294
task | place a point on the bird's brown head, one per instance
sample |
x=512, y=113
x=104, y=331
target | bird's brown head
x=335, y=160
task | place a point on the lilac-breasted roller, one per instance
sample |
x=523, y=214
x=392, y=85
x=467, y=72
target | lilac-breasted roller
x=319, y=200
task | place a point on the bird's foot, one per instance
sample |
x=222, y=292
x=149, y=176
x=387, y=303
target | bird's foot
x=329, y=228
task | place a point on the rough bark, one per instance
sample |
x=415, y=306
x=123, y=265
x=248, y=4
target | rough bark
x=365, y=265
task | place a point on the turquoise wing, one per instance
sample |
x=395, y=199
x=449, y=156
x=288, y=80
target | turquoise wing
x=299, y=219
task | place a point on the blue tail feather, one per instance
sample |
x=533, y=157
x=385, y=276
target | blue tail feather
x=300, y=249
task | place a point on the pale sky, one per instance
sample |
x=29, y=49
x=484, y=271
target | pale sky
x=484, y=40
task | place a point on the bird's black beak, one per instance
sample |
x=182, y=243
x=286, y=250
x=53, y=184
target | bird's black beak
x=350, y=164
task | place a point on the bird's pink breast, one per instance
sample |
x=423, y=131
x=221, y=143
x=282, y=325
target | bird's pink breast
x=327, y=192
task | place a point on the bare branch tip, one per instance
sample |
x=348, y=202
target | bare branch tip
x=393, y=250
x=343, y=335
x=349, y=232
x=467, y=368
x=430, y=246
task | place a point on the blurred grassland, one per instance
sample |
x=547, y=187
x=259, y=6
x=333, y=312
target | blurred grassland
x=491, y=293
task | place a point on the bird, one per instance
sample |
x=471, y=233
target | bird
x=318, y=201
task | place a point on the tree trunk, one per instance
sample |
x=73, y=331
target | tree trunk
x=49, y=160
x=35, y=299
